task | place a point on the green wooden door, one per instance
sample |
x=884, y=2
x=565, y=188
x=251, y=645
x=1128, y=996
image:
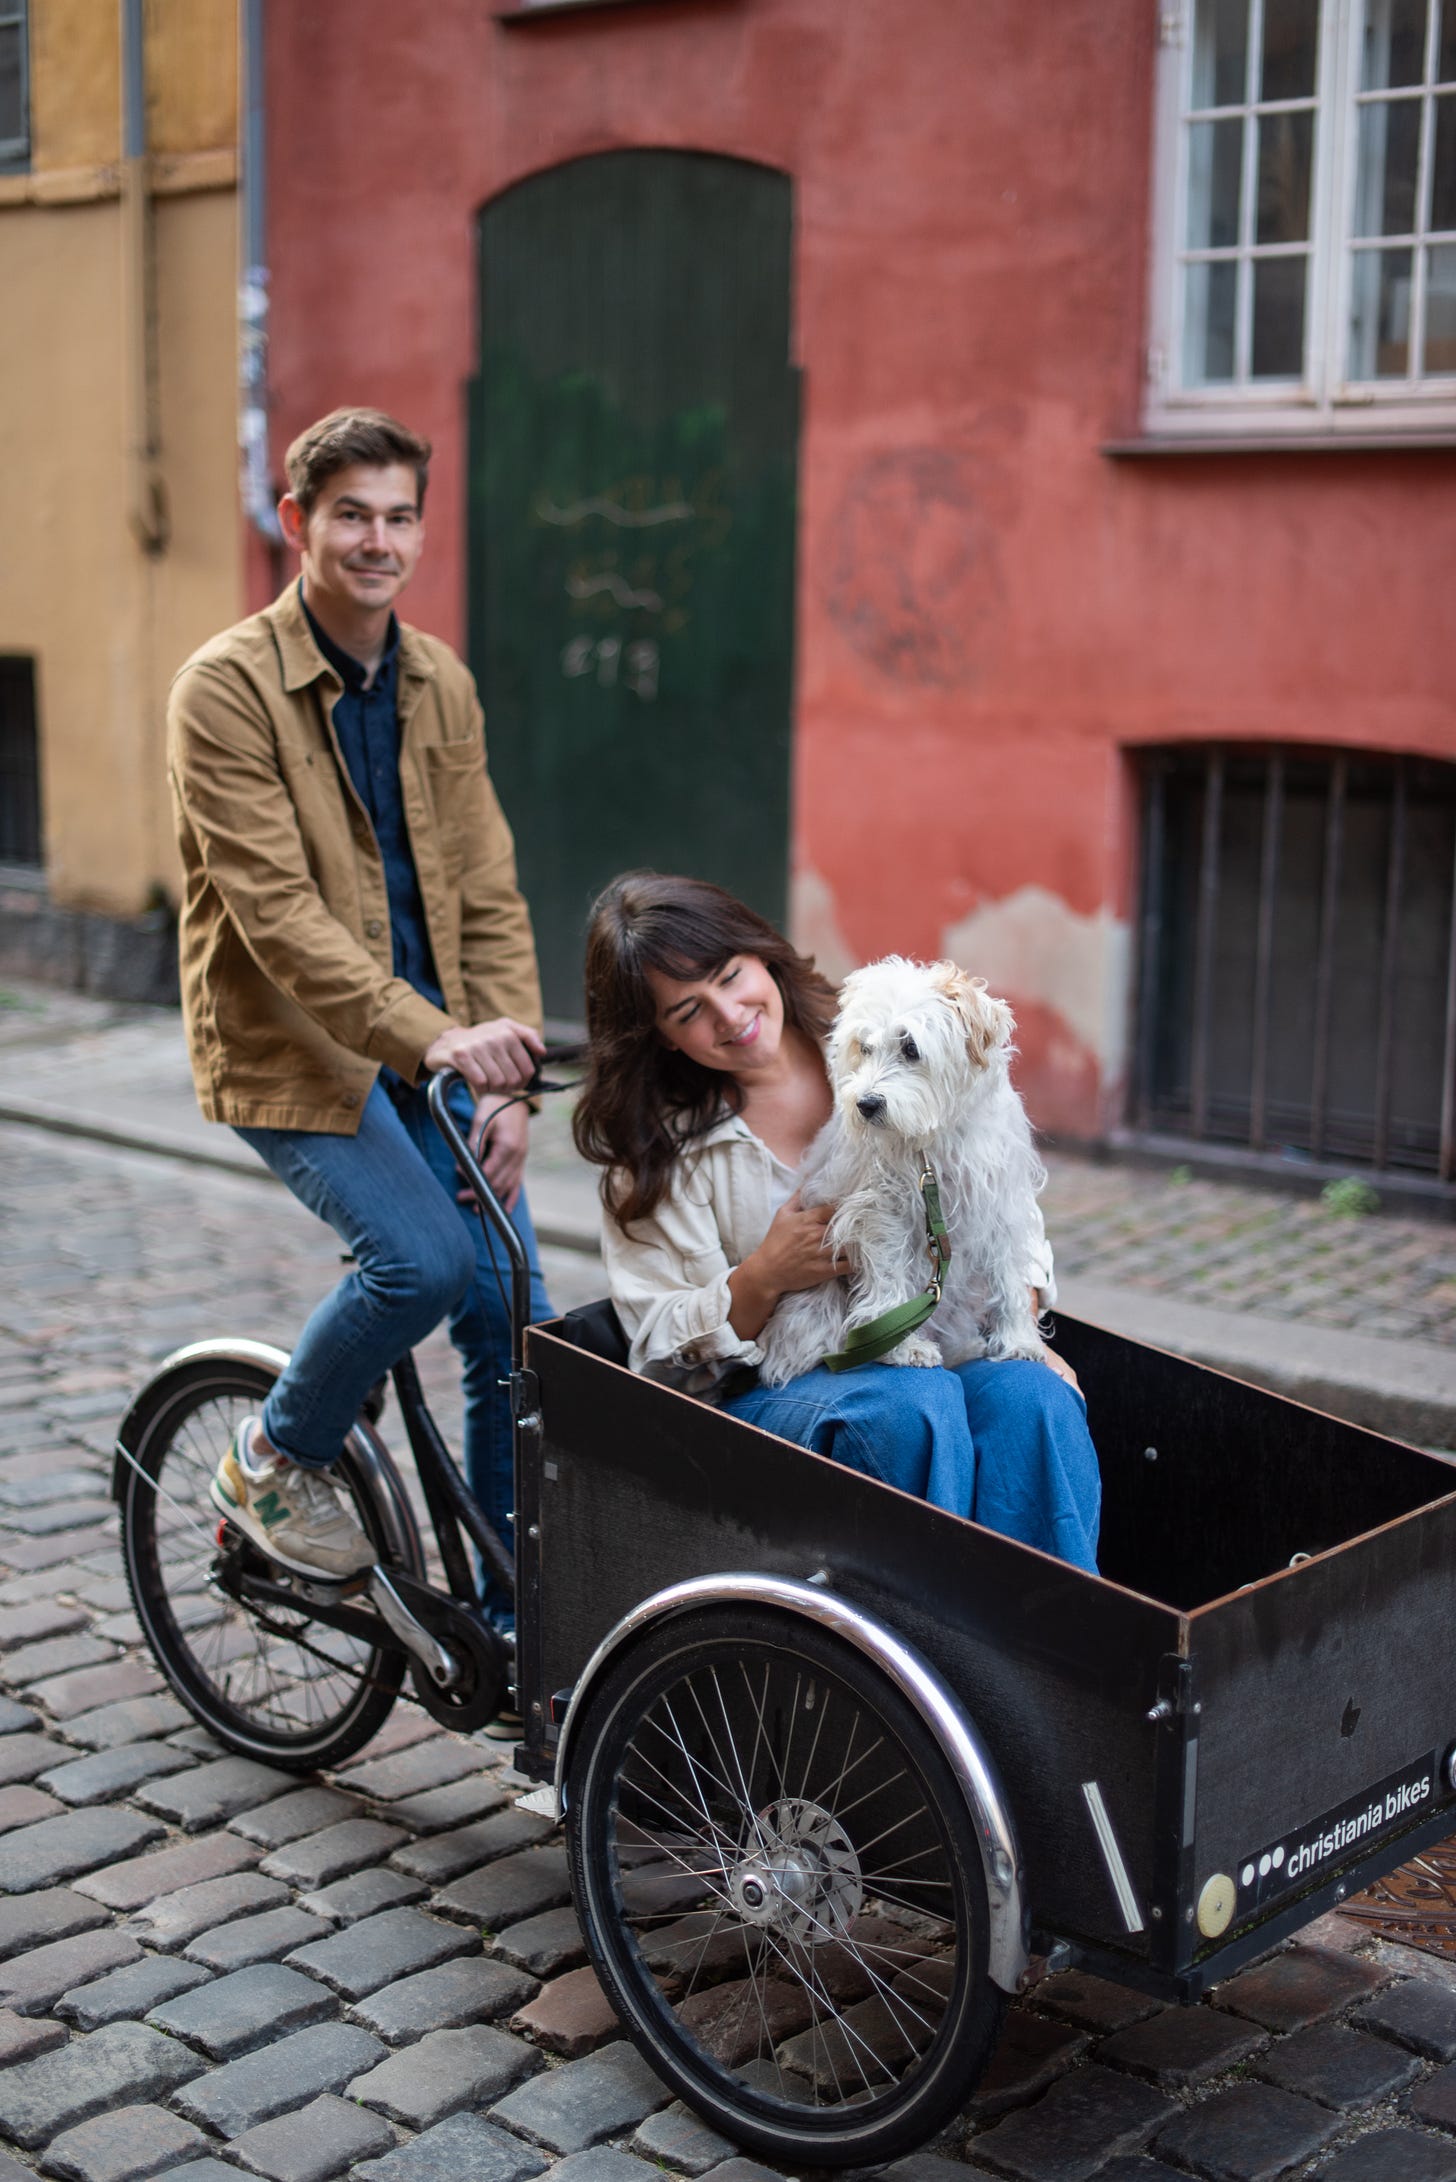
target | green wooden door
x=632, y=474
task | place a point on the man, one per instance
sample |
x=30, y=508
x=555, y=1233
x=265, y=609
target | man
x=350, y=923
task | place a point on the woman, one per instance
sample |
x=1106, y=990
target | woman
x=706, y=1087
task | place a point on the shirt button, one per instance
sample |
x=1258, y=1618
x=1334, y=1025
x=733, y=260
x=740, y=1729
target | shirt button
x=351, y=1098
x=373, y=928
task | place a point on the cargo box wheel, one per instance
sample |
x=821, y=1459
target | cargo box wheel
x=780, y=1886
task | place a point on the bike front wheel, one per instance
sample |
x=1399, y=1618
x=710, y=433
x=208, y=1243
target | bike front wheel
x=269, y=1681
x=781, y=1888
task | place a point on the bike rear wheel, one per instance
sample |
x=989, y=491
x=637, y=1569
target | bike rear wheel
x=271, y=1682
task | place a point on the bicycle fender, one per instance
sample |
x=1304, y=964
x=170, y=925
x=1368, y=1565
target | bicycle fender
x=367, y=1449
x=916, y=1680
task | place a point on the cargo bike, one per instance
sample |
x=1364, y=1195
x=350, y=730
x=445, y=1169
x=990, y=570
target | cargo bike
x=834, y=1766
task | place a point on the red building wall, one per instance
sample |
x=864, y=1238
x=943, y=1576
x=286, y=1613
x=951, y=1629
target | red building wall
x=991, y=611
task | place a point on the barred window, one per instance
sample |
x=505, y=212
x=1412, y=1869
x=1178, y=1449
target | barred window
x=1297, y=988
x=20, y=824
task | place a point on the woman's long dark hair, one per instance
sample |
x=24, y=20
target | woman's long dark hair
x=642, y=1099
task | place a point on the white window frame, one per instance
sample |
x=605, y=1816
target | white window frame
x=1325, y=404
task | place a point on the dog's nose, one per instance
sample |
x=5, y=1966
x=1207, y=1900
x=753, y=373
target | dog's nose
x=871, y=1105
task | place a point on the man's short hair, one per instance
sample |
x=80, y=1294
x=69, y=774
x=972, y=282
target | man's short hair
x=346, y=437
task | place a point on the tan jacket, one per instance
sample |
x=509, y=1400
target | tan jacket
x=288, y=989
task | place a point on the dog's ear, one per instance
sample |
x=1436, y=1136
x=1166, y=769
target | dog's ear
x=988, y=1022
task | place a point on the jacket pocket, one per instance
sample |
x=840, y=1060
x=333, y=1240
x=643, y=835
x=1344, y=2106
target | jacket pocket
x=450, y=772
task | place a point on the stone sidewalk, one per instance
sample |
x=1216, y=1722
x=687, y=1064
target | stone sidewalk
x=1351, y=1313
x=209, y=1968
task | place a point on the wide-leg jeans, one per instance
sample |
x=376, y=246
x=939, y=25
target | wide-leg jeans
x=1005, y=1443
x=390, y=1194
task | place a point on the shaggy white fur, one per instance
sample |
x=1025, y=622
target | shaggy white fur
x=919, y=1059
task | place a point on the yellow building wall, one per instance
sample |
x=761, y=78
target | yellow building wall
x=107, y=623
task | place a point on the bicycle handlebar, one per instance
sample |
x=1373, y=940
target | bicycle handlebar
x=492, y=1210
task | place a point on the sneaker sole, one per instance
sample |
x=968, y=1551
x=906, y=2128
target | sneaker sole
x=253, y=1530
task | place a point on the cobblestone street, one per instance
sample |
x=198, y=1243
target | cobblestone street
x=208, y=1966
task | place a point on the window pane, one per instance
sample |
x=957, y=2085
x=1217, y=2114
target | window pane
x=1395, y=43
x=1220, y=44
x=1443, y=178
x=1215, y=161
x=1390, y=134
x=1284, y=157
x=1278, y=318
x=1380, y=314
x=12, y=111
x=1291, y=28
x=1446, y=49
x=1441, y=308
x=1208, y=323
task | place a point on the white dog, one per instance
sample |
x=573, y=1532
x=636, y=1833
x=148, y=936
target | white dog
x=919, y=1059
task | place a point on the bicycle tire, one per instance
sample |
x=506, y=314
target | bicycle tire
x=281, y=1687
x=724, y=1838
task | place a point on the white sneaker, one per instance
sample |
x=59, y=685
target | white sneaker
x=293, y=1515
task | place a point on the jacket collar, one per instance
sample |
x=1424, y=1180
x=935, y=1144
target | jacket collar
x=303, y=662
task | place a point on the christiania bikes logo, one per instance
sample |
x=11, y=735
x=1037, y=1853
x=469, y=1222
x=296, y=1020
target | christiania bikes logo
x=1303, y=1857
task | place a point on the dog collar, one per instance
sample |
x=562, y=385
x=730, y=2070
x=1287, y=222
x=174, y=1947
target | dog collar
x=867, y=1344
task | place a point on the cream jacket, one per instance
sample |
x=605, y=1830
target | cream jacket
x=669, y=1277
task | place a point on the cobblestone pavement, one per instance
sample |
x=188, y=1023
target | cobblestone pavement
x=207, y=1966
x=1243, y=1248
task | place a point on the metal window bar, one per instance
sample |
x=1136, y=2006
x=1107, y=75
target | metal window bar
x=1208, y=876
x=1447, y=1157
x=1325, y=962
x=1154, y=850
x=1264, y=960
x=1389, y=963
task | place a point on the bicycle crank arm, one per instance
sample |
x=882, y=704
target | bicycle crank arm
x=439, y=1665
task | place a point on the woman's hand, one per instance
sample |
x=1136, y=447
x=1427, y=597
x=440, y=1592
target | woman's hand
x=499, y=1138
x=790, y=1257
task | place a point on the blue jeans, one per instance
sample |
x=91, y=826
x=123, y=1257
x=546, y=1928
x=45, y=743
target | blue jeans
x=1003, y=1443
x=389, y=1194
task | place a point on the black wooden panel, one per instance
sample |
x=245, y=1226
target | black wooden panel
x=1321, y=1683
x=1243, y=1479
x=641, y=1487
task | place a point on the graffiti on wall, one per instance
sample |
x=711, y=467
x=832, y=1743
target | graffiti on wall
x=915, y=571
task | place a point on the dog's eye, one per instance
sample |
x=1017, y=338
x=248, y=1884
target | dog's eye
x=908, y=1048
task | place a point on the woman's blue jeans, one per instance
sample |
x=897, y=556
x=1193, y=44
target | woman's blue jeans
x=389, y=1193
x=1003, y=1443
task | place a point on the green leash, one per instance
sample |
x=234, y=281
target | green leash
x=867, y=1344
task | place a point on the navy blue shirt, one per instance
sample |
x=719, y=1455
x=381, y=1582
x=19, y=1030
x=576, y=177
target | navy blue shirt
x=366, y=722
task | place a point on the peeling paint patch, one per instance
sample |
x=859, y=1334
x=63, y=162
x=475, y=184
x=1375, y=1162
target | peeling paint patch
x=814, y=926
x=1034, y=949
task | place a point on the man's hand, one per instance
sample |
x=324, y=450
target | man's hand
x=505, y=1133
x=497, y=1056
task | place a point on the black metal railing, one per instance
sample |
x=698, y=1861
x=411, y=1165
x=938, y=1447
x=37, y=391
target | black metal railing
x=1297, y=957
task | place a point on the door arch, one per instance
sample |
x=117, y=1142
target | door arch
x=633, y=443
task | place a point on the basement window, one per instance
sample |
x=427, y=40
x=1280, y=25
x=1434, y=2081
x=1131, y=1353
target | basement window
x=1297, y=978
x=20, y=823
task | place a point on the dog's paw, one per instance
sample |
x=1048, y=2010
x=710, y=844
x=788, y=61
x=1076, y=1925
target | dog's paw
x=916, y=1348
x=1030, y=1350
